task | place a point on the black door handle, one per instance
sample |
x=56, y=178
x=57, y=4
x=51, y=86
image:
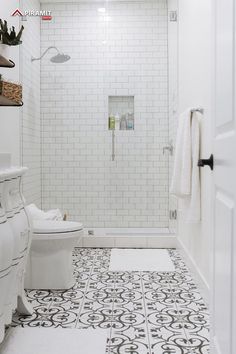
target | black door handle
x=207, y=162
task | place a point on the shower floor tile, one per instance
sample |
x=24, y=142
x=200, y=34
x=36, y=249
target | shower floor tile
x=143, y=312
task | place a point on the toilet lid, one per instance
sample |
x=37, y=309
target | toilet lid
x=53, y=227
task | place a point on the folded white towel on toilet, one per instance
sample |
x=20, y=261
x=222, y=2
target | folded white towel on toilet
x=38, y=214
x=186, y=179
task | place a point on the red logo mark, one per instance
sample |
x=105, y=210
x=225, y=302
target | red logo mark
x=17, y=12
x=46, y=18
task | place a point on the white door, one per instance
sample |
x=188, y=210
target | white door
x=224, y=241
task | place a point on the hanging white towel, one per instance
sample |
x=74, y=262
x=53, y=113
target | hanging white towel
x=194, y=211
x=186, y=178
x=181, y=180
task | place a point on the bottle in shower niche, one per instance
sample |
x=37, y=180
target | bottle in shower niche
x=117, y=121
x=111, y=122
x=130, y=121
x=123, y=123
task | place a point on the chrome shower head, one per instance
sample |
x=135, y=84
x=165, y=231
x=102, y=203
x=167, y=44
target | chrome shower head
x=60, y=58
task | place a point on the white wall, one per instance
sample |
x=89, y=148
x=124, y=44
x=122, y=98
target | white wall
x=20, y=127
x=121, y=53
x=10, y=116
x=195, y=90
x=31, y=127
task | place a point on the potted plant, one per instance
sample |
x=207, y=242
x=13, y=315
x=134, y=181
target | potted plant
x=8, y=37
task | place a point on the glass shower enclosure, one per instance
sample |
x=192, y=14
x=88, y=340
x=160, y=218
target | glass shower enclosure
x=107, y=116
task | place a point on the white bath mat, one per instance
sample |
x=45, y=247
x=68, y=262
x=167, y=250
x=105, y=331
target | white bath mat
x=54, y=341
x=152, y=260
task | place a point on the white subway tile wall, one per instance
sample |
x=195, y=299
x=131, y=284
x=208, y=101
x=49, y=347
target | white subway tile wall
x=30, y=123
x=120, y=52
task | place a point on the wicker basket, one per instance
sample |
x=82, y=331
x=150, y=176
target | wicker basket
x=11, y=91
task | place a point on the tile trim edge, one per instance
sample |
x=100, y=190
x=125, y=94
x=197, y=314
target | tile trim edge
x=130, y=242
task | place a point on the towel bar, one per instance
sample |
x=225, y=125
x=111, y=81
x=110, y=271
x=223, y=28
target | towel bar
x=200, y=110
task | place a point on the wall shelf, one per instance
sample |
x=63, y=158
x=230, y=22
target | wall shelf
x=5, y=63
x=5, y=102
x=9, y=103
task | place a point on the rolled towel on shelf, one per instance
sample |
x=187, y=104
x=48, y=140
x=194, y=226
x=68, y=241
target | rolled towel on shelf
x=186, y=177
x=38, y=214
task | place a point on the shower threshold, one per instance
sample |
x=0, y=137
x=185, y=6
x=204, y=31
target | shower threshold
x=129, y=237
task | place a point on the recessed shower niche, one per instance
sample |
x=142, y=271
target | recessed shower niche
x=121, y=113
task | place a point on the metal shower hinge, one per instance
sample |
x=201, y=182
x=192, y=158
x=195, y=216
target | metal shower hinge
x=173, y=16
x=173, y=214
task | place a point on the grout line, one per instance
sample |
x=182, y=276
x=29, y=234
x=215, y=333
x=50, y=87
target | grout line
x=113, y=305
x=145, y=313
x=177, y=306
x=85, y=290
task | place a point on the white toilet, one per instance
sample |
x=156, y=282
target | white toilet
x=50, y=259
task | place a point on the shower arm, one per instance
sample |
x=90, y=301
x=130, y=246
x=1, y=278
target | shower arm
x=33, y=59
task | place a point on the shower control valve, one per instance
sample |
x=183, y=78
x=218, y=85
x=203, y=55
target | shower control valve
x=169, y=148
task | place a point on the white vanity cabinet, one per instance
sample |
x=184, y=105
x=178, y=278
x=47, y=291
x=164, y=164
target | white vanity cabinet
x=15, y=239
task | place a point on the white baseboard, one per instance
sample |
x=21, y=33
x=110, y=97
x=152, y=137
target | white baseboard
x=195, y=271
x=158, y=241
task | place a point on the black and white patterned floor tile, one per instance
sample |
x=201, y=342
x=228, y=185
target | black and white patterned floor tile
x=144, y=312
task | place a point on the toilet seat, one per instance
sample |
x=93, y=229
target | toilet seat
x=53, y=227
x=47, y=229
